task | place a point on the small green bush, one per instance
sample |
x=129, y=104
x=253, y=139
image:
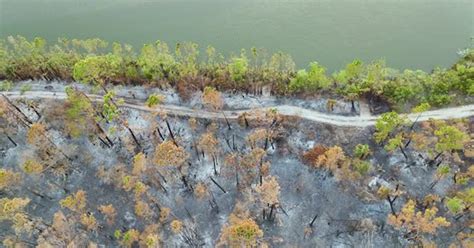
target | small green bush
x=362, y=151
x=6, y=85
x=362, y=167
x=455, y=205
x=154, y=99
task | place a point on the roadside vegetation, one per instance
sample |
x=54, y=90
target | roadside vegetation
x=189, y=68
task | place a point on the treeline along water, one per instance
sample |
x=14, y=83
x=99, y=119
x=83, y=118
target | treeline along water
x=417, y=34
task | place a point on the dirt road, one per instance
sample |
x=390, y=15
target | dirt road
x=337, y=120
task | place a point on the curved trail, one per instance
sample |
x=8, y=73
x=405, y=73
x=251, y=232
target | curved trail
x=288, y=110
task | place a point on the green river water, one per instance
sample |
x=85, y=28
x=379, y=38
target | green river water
x=418, y=34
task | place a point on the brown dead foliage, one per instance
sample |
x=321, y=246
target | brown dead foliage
x=310, y=156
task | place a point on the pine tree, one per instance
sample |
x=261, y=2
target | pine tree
x=362, y=151
x=332, y=159
x=143, y=210
x=386, y=124
x=213, y=100
x=168, y=154
x=75, y=202
x=139, y=164
x=269, y=192
x=9, y=179
x=176, y=226
x=110, y=213
x=417, y=222
x=240, y=232
x=210, y=145
x=450, y=138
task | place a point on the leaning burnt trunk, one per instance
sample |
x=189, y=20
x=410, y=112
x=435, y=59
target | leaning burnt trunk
x=270, y=215
x=431, y=162
x=17, y=109
x=218, y=185
x=160, y=134
x=104, y=143
x=11, y=140
x=403, y=152
x=134, y=137
x=226, y=121
x=214, y=163
x=103, y=133
x=312, y=221
x=171, y=132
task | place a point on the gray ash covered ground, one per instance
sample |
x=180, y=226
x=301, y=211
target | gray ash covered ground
x=349, y=213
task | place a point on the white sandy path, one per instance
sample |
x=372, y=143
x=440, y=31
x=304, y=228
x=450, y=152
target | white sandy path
x=337, y=120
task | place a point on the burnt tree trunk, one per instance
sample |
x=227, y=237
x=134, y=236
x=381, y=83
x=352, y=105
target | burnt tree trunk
x=391, y=202
x=103, y=133
x=103, y=142
x=17, y=109
x=403, y=152
x=246, y=121
x=227, y=121
x=434, y=159
x=218, y=185
x=171, y=132
x=11, y=140
x=160, y=134
x=134, y=137
x=214, y=163
x=312, y=221
x=272, y=208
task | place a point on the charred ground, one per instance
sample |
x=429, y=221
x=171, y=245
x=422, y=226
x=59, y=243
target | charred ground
x=80, y=173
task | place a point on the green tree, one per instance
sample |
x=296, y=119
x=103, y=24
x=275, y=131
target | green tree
x=4, y=60
x=156, y=62
x=310, y=81
x=238, y=68
x=79, y=112
x=97, y=69
x=187, y=55
x=450, y=138
x=110, y=110
x=375, y=77
x=438, y=88
x=406, y=87
x=465, y=71
x=350, y=74
x=386, y=124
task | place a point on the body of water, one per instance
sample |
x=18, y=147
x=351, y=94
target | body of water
x=418, y=34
